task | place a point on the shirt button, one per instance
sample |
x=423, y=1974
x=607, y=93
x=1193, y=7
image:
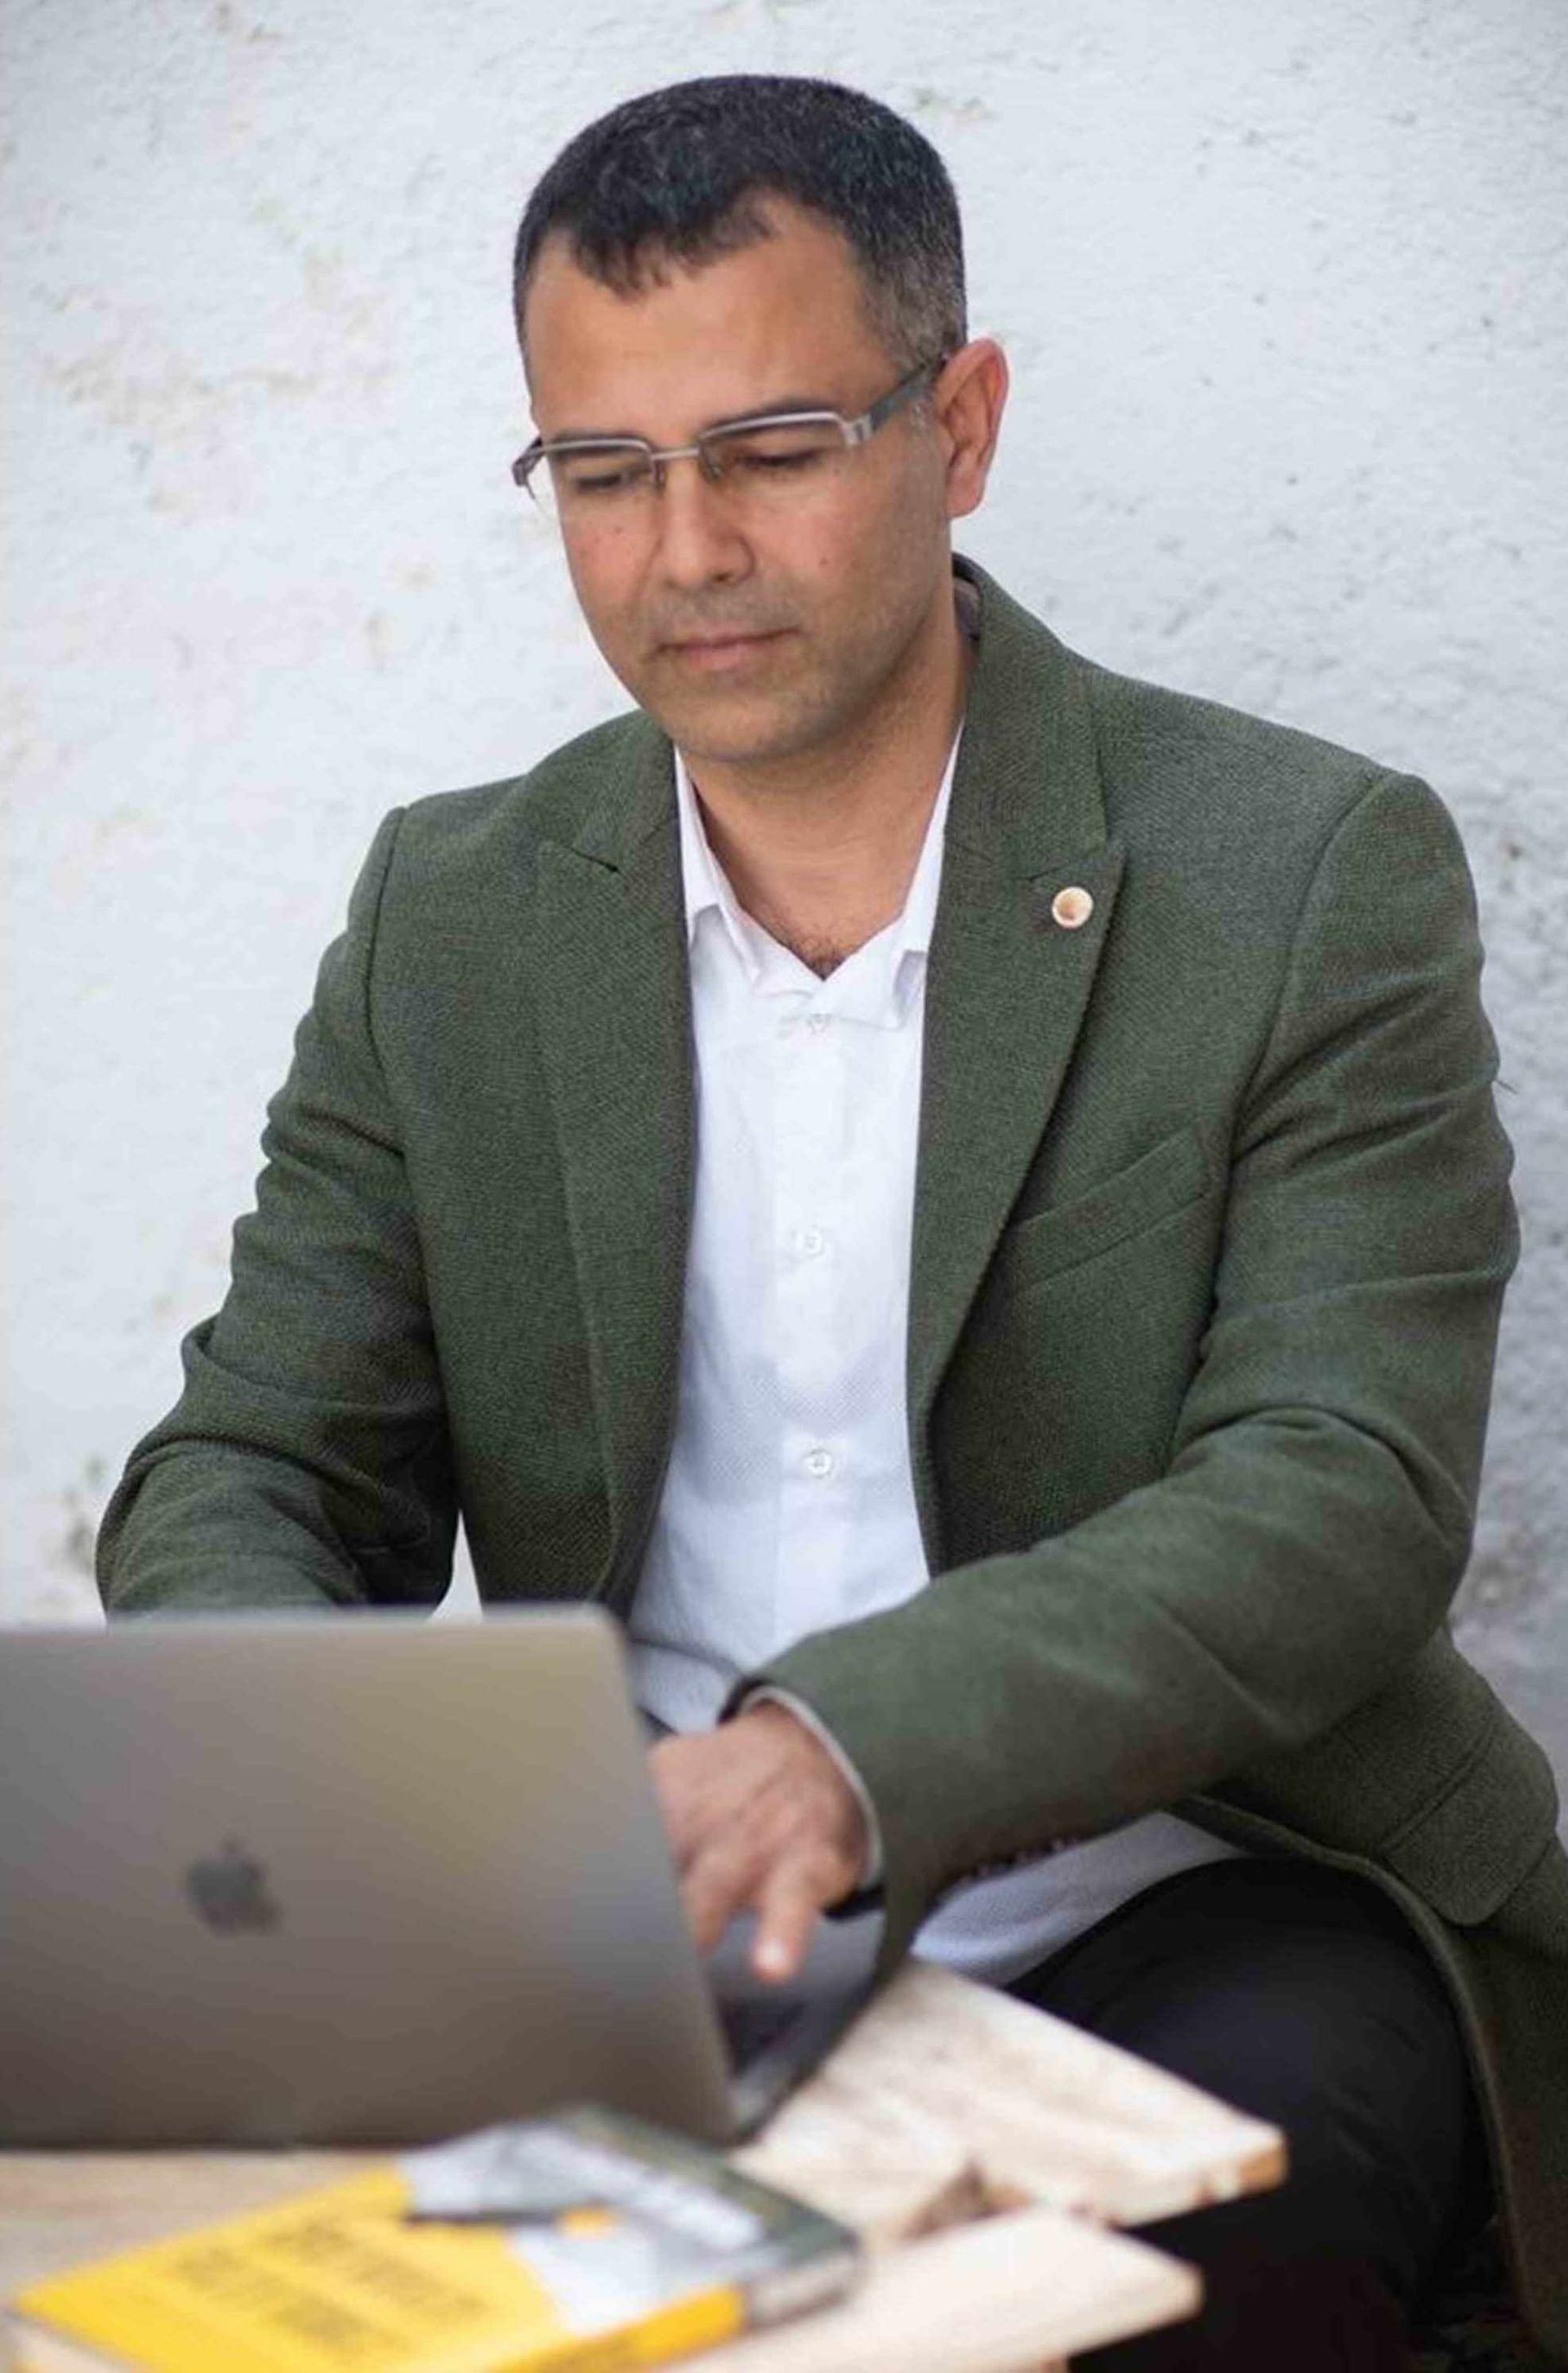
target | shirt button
x=809, y=1243
x=819, y=1463
x=818, y=1023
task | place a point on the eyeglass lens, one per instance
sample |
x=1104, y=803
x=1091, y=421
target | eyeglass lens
x=763, y=461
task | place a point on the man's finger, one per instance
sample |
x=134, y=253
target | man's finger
x=793, y=1895
x=714, y=1886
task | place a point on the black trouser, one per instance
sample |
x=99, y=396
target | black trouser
x=1302, y=1996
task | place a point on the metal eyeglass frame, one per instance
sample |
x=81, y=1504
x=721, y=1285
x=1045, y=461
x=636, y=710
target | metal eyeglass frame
x=855, y=432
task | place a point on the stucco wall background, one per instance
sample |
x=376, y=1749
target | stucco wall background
x=1285, y=295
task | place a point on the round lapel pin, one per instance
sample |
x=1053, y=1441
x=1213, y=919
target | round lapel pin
x=1071, y=908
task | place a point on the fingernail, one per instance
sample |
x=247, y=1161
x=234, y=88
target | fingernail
x=772, y=1959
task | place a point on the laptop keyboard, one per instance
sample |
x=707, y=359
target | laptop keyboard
x=752, y=2022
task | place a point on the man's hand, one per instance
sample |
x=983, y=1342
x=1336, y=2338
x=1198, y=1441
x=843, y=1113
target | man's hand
x=760, y=1817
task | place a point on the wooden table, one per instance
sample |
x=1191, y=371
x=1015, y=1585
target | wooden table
x=983, y=2148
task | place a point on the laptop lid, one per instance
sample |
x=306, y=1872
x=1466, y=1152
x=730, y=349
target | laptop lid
x=346, y=1877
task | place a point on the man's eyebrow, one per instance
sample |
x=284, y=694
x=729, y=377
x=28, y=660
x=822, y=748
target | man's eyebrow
x=731, y=420
x=777, y=404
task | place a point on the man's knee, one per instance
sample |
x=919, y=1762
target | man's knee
x=1300, y=1996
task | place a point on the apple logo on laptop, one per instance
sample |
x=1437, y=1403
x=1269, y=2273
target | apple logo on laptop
x=229, y=1890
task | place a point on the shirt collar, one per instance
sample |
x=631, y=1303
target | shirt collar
x=706, y=887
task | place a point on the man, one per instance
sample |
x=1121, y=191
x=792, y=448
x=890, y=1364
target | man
x=960, y=1195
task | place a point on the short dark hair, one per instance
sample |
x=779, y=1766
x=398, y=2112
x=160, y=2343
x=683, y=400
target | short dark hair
x=675, y=175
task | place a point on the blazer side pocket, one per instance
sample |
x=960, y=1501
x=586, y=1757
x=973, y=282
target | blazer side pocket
x=1165, y=1180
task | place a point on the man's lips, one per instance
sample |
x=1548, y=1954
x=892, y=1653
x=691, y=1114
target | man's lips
x=724, y=648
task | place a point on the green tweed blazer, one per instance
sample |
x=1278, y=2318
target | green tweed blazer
x=1212, y=1229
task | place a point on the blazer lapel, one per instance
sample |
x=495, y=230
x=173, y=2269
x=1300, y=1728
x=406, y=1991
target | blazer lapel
x=612, y=1002
x=1006, y=995
x=1007, y=984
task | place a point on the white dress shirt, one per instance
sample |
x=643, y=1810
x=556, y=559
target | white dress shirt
x=789, y=1504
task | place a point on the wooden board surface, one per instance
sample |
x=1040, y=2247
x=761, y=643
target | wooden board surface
x=976, y=2143
x=941, y=2079
x=1011, y=2294
x=999, y=2297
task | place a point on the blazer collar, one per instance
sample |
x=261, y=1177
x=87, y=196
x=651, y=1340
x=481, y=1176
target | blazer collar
x=1028, y=784
x=636, y=800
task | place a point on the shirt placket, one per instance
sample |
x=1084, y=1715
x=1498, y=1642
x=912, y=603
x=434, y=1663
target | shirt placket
x=815, y=1473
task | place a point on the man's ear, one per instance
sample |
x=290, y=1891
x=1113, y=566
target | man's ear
x=969, y=398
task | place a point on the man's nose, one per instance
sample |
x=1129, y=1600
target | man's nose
x=701, y=539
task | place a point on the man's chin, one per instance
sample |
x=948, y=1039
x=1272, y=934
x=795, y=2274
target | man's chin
x=733, y=731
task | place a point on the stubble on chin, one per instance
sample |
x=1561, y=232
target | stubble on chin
x=733, y=728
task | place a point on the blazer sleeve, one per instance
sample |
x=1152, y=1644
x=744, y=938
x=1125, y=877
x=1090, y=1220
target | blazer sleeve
x=307, y=1460
x=1314, y=1514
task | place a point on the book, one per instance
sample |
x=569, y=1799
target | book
x=583, y=2242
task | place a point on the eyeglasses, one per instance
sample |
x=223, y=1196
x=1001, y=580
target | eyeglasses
x=768, y=459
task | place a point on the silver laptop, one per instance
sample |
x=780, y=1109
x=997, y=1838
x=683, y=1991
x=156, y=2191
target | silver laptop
x=359, y=1878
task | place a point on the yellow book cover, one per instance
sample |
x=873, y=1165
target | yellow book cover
x=583, y=2242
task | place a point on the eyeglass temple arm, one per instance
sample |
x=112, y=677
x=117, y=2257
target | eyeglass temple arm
x=886, y=405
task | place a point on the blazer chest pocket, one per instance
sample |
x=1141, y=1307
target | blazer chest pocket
x=1172, y=1174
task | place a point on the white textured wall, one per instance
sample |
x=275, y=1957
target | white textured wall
x=1285, y=288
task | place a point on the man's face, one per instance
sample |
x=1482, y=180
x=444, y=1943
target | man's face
x=752, y=631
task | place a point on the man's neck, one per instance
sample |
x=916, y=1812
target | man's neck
x=822, y=857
